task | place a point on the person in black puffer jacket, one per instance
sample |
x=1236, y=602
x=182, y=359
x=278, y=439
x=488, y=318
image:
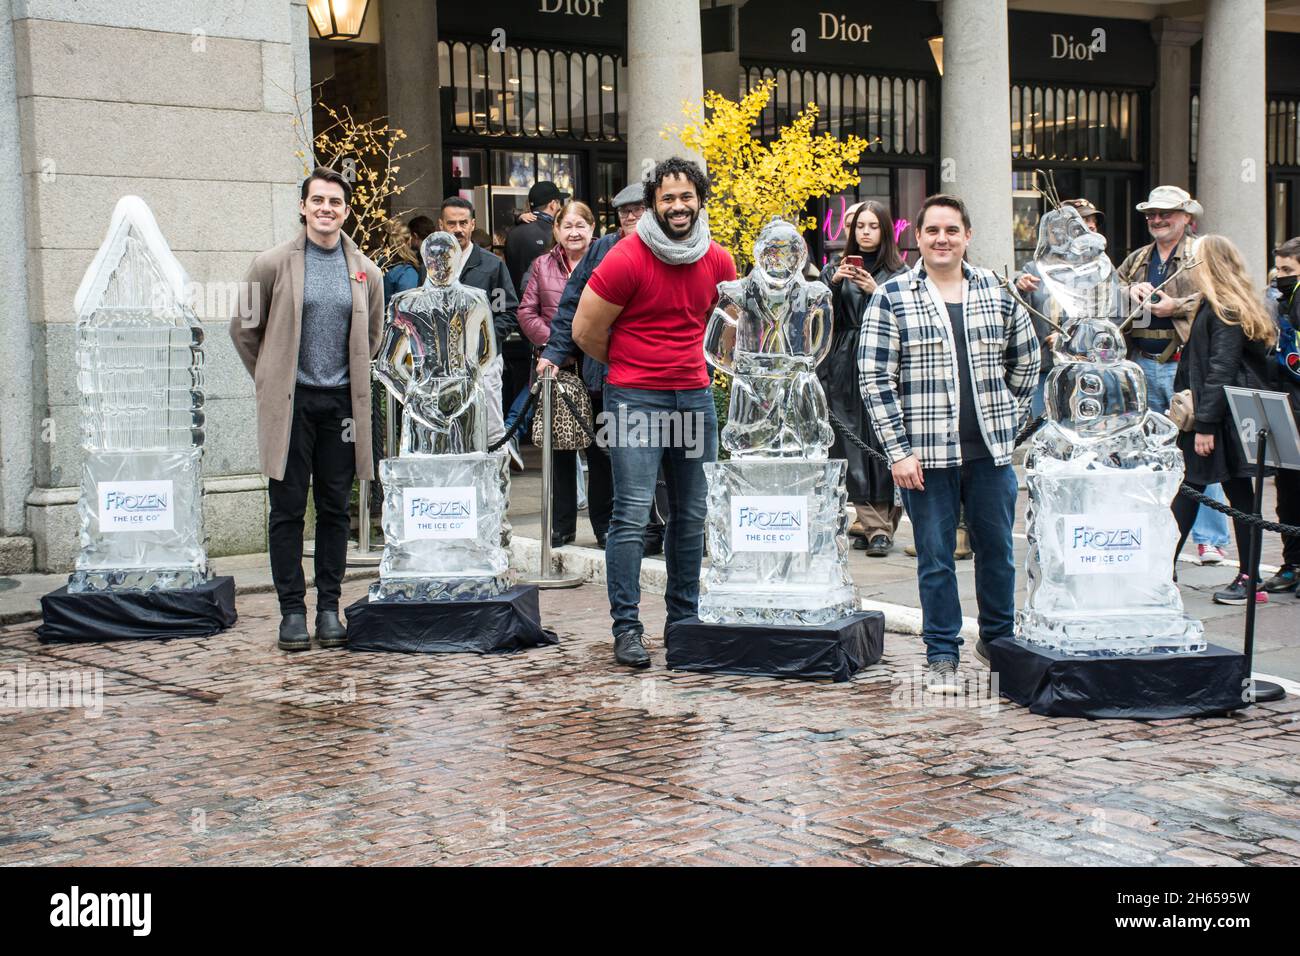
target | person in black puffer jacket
x=870, y=485
x=1231, y=342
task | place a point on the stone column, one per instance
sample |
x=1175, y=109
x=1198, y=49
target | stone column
x=975, y=125
x=410, y=38
x=16, y=365
x=1231, y=169
x=663, y=70
x=1171, y=105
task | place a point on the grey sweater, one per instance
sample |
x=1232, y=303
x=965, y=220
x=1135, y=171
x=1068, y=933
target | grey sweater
x=326, y=318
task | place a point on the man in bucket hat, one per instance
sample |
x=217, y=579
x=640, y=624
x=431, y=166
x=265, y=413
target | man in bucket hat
x=1156, y=337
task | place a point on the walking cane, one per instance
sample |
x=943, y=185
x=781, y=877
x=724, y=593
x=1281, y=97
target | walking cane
x=547, y=577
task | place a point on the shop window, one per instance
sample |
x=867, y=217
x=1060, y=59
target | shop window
x=524, y=91
x=1075, y=125
x=889, y=112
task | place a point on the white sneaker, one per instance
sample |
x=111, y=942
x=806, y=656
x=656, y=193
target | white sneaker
x=941, y=678
x=1211, y=554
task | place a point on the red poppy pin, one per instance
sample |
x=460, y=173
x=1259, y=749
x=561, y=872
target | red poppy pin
x=360, y=277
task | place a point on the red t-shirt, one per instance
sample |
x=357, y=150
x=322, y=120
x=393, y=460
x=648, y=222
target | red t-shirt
x=657, y=342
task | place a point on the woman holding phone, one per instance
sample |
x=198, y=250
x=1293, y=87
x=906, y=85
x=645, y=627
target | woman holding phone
x=870, y=258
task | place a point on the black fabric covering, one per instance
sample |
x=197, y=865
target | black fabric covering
x=1145, y=687
x=138, y=615
x=511, y=621
x=837, y=650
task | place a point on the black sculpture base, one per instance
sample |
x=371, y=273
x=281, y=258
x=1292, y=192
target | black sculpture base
x=1132, y=687
x=138, y=615
x=836, y=651
x=511, y=621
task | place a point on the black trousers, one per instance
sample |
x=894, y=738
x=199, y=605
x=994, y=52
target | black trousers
x=1240, y=493
x=320, y=453
x=1288, y=512
x=564, y=492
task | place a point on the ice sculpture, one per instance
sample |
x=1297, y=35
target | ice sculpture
x=1102, y=472
x=140, y=374
x=777, y=528
x=769, y=332
x=444, y=495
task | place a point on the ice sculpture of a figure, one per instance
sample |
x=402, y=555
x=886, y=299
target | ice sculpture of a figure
x=1102, y=472
x=769, y=332
x=140, y=374
x=437, y=339
x=777, y=528
x=444, y=494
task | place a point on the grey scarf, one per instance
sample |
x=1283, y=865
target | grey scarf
x=674, y=252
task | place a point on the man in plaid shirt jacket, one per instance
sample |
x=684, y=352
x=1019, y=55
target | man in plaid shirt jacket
x=947, y=363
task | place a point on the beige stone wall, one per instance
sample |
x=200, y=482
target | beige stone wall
x=188, y=105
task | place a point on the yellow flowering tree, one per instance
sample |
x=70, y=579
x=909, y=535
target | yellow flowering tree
x=368, y=155
x=753, y=181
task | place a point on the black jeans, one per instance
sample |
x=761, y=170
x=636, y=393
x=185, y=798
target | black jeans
x=1288, y=512
x=564, y=492
x=319, y=453
x=1240, y=493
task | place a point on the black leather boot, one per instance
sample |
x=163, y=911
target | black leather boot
x=293, y=633
x=629, y=648
x=330, y=631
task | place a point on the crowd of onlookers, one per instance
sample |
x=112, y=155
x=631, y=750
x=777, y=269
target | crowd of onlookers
x=621, y=318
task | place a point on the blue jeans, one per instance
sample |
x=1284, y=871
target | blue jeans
x=1211, y=526
x=1160, y=382
x=516, y=407
x=681, y=441
x=988, y=493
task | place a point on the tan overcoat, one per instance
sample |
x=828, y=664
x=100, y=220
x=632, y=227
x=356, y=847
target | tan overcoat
x=266, y=329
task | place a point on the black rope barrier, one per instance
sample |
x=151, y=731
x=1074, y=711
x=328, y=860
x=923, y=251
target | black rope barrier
x=849, y=435
x=519, y=422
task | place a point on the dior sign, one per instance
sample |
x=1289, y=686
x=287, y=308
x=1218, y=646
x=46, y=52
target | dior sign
x=1066, y=47
x=571, y=8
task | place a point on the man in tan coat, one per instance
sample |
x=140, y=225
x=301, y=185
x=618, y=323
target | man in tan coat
x=306, y=334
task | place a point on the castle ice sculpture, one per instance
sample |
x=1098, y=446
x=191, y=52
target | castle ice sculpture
x=777, y=528
x=444, y=495
x=139, y=365
x=1102, y=472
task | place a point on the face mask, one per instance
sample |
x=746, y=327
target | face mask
x=1286, y=284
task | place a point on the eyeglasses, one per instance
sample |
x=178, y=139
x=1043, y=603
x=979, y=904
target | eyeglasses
x=1160, y=214
x=631, y=212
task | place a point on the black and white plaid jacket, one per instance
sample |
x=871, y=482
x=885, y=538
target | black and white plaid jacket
x=907, y=367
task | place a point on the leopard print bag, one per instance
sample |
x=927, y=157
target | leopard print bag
x=567, y=434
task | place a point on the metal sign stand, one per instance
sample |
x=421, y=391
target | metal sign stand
x=546, y=576
x=1265, y=442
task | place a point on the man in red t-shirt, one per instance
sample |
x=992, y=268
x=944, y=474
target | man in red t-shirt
x=643, y=314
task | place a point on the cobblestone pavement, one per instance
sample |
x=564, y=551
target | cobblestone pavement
x=227, y=751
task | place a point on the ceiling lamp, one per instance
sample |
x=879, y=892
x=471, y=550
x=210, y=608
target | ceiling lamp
x=338, y=19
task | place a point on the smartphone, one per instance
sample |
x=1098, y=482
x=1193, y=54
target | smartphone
x=855, y=261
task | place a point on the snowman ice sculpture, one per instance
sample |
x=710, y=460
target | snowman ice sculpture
x=443, y=495
x=777, y=528
x=1102, y=472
